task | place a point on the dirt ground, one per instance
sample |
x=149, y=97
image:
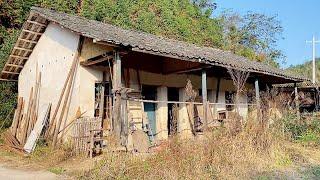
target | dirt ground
x=44, y=166
x=17, y=174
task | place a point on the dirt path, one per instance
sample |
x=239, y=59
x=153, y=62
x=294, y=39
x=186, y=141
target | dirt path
x=17, y=174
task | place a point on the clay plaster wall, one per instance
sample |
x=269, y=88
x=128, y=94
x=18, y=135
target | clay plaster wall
x=52, y=57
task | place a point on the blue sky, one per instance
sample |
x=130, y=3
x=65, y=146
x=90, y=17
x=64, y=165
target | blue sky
x=300, y=20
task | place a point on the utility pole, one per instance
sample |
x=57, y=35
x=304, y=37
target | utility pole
x=313, y=58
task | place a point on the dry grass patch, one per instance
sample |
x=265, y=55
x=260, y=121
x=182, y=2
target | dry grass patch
x=219, y=155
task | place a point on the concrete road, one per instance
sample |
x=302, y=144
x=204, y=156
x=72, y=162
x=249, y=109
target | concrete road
x=17, y=174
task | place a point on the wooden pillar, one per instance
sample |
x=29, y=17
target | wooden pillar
x=116, y=95
x=116, y=71
x=296, y=100
x=256, y=85
x=102, y=94
x=218, y=90
x=316, y=95
x=204, y=97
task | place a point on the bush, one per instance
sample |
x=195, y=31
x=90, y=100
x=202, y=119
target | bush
x=305, y=131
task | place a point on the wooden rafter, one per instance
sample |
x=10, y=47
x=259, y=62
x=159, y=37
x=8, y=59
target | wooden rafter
x=29, y=41
x=31, y=32
x=37, y=23
x=8, y=80
x=18, y=57
x=9, y=72
x=15, y=65
x=22, y=49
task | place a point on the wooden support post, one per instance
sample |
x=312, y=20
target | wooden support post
x=296, y=100
x=218, y=90
x=256, y=85
x=117, y=96
x=204, y=97
x=124, y=123
x=316, y=98
x=117, y=70
x=102, y=94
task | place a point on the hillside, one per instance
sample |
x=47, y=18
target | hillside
x=305, y=69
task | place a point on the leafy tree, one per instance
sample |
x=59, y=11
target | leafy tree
x=305, y=69
x=253, y=35
x=178, y=19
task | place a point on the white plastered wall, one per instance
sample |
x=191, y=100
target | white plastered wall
x=52, y=57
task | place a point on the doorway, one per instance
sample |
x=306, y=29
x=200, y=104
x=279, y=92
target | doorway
x=102, y=90
x=173, y=95
x=150, y=93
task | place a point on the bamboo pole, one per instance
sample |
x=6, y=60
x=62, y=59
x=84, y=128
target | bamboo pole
x=25, y=127
x=52, y=121
x=65, y=104
x=16, y=118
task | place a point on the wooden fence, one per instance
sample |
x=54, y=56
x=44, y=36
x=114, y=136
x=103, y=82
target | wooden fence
x=81, y=132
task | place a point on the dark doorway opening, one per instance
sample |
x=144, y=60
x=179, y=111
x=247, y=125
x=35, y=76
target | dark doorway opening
x=173, y=95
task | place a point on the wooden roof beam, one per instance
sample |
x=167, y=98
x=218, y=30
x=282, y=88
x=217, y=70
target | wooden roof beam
x=90, y=63
x=98, y=59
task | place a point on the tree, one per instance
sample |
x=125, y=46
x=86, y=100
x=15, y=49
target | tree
x=253, y=35
x=177, y=19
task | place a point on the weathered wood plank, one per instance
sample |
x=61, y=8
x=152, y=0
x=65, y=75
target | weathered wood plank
x=204, y=96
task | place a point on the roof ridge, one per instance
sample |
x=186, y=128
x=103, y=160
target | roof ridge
x=130, y=29
x=160, y=44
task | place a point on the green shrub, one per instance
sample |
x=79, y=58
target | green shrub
x=309, y=138
x=305, y=131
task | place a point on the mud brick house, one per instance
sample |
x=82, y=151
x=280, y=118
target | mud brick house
x=109, y=63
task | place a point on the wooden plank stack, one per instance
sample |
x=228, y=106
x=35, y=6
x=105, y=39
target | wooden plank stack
x=26, y=115
x=24, y=119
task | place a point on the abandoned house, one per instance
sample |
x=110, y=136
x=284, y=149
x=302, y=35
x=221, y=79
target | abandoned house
x=126, y=78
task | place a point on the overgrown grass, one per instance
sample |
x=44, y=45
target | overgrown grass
x=218, y=155
x=57, y=170
x=47, y=156
x=256, y=152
